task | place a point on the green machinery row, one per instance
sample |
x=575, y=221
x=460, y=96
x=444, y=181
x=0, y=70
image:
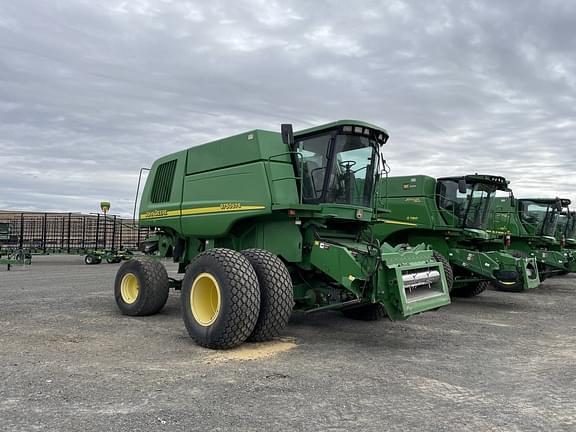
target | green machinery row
x=99, y=237
x=264, y=223
x=12, y=257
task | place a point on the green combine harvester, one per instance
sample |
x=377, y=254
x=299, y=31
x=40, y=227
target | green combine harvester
x=262, y=223
x=451, y=215
x=529, y=227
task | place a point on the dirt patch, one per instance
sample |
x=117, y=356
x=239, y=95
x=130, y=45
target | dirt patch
x=253, y=351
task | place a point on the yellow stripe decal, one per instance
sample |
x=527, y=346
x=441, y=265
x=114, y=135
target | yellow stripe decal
x=156, y=214
x=219, y=209
x=393, y=222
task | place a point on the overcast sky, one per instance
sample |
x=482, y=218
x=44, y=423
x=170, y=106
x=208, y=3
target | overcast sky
x=90, y=91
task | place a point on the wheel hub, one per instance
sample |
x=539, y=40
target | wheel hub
x=129, y=288
x=205, y=299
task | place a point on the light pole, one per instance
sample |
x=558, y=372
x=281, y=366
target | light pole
x=105, y=206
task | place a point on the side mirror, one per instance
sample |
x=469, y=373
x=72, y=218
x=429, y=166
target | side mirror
x=462, y=188
x=287, y=134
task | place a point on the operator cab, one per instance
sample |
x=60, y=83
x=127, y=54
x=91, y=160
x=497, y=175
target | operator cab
x=570, y=229
x=465, y=201
x=339, y=163
x=565, y=230
x=541, y=216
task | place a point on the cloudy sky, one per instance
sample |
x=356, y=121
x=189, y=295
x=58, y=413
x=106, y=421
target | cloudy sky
x=90, y=91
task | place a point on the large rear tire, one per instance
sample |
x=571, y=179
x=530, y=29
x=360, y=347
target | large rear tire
x=141, y=287
x=471, y=290
x=276, y=294
x=369, y=312
x=220, y=299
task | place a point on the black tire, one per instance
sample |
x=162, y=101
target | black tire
x=543, y=271
x=448, y=272
x=90, y=259
x=516, y=287
x=233, y=319
x=369, y=312
x=152, y=289
x=276, y=294
x=508, y=281
x=471, y=290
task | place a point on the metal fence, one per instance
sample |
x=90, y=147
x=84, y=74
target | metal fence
x=68, y=232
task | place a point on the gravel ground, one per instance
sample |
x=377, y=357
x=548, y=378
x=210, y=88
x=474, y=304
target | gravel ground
x=69, y=361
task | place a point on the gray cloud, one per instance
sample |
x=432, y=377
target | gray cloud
x=92, y=91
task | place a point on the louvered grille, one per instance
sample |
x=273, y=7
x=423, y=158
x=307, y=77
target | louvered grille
x=162, y=187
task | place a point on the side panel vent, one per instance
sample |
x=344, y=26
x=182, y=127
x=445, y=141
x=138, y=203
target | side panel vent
x=162, y=187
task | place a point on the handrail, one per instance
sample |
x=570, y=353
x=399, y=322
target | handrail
x=137, y=192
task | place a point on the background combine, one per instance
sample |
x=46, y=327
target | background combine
x=451, y=215
x=530, y=227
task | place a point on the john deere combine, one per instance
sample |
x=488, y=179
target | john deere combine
x=451, y=215
x=262, y=222
x=529, y=227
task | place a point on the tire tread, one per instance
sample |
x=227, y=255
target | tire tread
x=154, y=286
x=242, y=282
x=448, y=272
x=471, y=290
x=276, y=294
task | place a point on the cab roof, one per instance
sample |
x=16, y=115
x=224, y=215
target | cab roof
x=499, y=181
x=341, y=123
x=565, y=201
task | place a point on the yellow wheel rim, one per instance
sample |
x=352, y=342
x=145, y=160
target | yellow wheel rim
x=129, y=288
x=205, y=299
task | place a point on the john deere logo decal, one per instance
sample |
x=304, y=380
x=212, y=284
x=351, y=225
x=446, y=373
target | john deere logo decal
x=154, y=214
